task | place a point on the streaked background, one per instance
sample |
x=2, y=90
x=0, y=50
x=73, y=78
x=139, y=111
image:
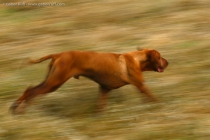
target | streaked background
x=178, y=29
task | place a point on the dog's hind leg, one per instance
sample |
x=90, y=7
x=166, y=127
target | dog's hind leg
x=56, y=77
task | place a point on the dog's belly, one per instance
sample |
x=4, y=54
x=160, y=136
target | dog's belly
x=107, y=81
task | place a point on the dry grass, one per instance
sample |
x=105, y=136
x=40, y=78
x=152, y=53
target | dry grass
x=179, y=29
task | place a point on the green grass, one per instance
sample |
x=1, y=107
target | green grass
x=178, y=29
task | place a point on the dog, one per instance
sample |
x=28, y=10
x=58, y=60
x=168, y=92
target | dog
x=109, y=70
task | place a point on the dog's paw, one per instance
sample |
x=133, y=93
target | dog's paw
x=13, y=109
x=151, y=100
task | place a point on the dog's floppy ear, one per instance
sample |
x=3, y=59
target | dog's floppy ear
x=150, y=54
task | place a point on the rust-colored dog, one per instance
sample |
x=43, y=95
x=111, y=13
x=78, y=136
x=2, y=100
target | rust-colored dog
x=109, y=70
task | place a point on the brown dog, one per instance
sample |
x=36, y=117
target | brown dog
x=109, y=70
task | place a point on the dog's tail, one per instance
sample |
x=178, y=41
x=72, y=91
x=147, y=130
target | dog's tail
x=51, y=56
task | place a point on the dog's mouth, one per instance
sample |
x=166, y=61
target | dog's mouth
x=159, y=69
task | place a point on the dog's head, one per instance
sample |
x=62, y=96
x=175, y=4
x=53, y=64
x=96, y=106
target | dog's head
x=154, y=61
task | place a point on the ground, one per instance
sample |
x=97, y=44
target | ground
x=178, y=29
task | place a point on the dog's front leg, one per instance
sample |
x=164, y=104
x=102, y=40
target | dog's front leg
x=138, y=81
x=103, y=93
x=143, y=88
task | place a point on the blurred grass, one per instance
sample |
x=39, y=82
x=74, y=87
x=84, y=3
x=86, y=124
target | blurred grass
x=179, y=29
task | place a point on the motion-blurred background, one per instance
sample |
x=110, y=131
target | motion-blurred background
x=178, y=29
